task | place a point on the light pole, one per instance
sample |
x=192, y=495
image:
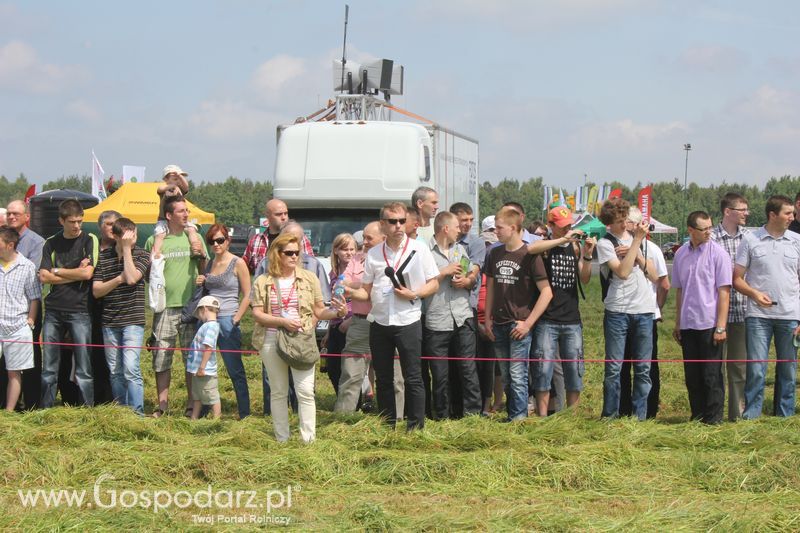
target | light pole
x=687, y=147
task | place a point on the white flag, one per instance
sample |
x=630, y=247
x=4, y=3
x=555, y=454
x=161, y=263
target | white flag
x=548, y=197
x=133, y=174
x=98, y=179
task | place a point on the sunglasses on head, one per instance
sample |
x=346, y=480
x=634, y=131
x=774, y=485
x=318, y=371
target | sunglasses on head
x=393, y=221
x=291, y=253
x=218, y=240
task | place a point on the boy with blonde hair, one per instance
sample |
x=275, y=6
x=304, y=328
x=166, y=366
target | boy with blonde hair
x=175, y=185
x=202, y=360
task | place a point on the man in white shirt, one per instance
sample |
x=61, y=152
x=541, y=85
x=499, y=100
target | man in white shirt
x=629, y=308
x=397, y=274
x=660, y=290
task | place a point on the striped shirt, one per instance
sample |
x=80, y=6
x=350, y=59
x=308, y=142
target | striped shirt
x=19, y=286
x=124, y=305
x=289, y=301
x=731, y=244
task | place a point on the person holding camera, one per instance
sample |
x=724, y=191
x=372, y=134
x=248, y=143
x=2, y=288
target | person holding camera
x=558, y=333
x=629, y=306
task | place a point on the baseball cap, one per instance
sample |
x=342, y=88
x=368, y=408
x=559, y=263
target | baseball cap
x=488, y=223
x=560, y=216
x=170, y=169
x=206, y=301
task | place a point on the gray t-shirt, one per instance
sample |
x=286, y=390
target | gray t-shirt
x=633, y=295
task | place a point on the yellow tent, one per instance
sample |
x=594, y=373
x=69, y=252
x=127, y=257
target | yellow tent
x=139, y=202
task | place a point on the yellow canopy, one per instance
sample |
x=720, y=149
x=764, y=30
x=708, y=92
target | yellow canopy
x=139, y=202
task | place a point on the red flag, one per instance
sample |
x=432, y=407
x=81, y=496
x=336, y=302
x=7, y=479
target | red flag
x=646, y=202
x=31, y=192
x=616, y=193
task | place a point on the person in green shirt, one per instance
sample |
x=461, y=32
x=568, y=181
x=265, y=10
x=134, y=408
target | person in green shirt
x=183, y=260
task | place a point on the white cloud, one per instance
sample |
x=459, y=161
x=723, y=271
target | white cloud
x=84, y=111
x=273, y=75
x=230, y=120
x=524, y=15
x=22, y=69
x=713, y=59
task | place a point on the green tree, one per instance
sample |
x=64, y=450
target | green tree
x=13, y=190
x=75, y=182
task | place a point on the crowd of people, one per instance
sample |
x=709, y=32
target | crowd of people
x=496, y=312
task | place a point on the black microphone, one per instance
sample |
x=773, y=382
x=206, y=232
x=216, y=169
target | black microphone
x=403, y=267
x=389, y=271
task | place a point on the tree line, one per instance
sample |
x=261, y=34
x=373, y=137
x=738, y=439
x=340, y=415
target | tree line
x=236, y=201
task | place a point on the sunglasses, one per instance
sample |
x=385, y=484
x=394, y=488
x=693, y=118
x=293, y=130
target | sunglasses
x=219, y=240
x=290, y=253
x=393, y=221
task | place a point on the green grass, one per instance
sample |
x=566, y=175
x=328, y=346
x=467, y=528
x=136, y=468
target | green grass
x=571, y=471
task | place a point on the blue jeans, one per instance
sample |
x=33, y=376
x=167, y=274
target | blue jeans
x=759, y=333
x=551, y=341
x=56, y=325
x=514, y=373
x=616, y=328
x=123, y=365
x=230, y=338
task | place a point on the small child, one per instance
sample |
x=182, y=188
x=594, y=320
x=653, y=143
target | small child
x=202, y=360
x=175, y=184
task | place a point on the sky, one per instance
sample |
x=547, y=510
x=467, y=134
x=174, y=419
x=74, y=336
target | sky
x=568, y=89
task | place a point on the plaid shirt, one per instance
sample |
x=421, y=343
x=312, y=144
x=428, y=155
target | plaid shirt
x=19, y=286
x=257, y=248
x=731, y=245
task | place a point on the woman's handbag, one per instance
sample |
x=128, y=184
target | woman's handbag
x=298, y=349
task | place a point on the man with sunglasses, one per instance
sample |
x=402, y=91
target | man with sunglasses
x=397, y=274
x=729, y=234
x=701, y=276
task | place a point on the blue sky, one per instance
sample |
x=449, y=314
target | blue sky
x=608, y=88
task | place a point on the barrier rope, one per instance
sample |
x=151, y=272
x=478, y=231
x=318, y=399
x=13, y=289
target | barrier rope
x=425, y=357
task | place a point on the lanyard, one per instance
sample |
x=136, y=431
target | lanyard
x=288, y=298
x=398, y=257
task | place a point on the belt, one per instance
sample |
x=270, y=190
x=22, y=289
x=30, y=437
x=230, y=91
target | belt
x=357, y=315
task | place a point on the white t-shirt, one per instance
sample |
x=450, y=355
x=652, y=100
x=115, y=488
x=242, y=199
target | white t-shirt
x=632, y=296
x=655, y=254
x=388, y=309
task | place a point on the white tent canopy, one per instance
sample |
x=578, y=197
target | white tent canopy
x=660, y=227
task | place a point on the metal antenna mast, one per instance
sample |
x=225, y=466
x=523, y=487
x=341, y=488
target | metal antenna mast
x=344, y=44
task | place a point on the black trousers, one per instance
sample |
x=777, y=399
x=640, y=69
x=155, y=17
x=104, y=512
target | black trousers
x=485, y=350
x=333, y=365
x=655, y=377
x=704, y=381
x=459, y=342
x=407, y=341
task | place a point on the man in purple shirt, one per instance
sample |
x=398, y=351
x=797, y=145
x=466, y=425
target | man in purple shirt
x=702, y=274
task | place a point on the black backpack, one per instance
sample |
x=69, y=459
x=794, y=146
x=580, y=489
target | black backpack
x=605, y=281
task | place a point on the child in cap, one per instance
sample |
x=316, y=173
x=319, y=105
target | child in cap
x=175, y=184
x=202, y=360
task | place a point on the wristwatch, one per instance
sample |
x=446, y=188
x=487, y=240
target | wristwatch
x=719, y=331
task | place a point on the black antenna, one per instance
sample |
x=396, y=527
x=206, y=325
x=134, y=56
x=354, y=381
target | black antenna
x=344, y=44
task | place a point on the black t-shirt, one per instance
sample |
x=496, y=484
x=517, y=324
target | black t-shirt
x=59, y=252
x=561, y=264
x=794, y=226
x=123, y=306
x=514, y=275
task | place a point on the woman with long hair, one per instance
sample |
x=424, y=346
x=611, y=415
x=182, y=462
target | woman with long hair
x=288, y=297
x=342, y=251
x=228, y=279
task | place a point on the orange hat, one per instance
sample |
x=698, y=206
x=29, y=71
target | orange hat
x=560, y=216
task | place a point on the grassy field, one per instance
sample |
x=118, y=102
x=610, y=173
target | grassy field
x=570, y=471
